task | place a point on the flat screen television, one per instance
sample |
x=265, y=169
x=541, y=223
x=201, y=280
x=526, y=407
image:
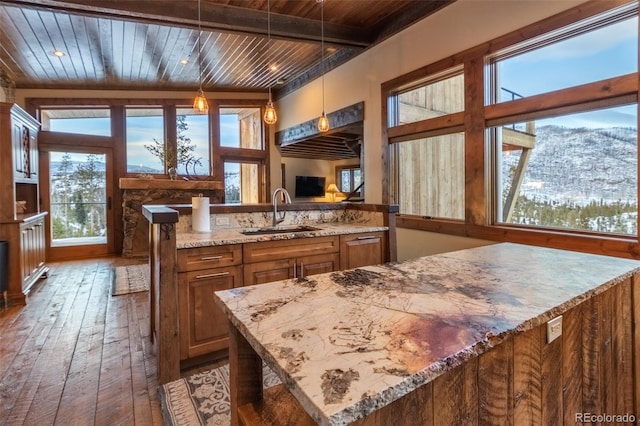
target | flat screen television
x=309, y=186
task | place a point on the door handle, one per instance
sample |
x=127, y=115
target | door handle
x=218, y=274
x=108, y=203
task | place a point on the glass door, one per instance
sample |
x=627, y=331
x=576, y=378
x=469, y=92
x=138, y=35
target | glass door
x=77, y=195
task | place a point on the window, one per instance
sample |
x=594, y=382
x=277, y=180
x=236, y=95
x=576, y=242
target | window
x=427, y=158
x=242, y=182
x=145, y=140
x=441, y=94
x=592, y=50
x=85, y=120
x=241, y=127
x=192, y=139
x=542, y=148
x=348, y=179
x=574, y=169
x=430, y=176
x=576, y=172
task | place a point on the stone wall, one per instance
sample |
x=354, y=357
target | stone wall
x=135, y=241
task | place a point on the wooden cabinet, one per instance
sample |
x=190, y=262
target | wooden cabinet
x=32, y=249
x=268, y=261
x=23, y=227
x=362, y=249
x=201, y=272
x=24, y=136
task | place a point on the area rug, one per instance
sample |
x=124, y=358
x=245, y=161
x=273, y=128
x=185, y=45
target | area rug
x=130, y=279
x=202, y=398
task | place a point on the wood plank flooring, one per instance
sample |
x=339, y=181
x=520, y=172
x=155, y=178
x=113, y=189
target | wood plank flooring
x=75, y=355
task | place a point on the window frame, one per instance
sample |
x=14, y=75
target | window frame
x=118, y=130
x=480, y=197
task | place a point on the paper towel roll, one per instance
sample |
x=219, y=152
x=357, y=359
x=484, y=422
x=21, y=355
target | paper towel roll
x=200, y=216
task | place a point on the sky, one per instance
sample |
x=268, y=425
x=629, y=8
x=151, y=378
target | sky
x=142, y=131
x=597, y=55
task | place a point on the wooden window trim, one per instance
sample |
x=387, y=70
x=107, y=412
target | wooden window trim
x=478, y=117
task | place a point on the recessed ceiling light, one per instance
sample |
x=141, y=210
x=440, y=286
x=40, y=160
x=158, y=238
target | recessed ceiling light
x=58, y=53
x=273, y=67
x=184, y=61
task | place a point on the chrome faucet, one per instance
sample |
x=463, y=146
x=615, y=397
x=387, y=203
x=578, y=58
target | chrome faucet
x=274, y=199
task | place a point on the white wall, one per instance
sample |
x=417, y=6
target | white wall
x=412, y=243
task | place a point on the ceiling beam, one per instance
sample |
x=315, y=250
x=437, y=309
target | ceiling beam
x=214, y=17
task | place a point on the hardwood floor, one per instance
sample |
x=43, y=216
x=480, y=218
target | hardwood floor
x=75, y=355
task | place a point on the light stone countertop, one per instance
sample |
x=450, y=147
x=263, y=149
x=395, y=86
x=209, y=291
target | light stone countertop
x=221, y=236
x=346, y=343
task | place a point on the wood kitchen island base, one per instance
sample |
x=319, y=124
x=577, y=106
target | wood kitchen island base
x=516, y=377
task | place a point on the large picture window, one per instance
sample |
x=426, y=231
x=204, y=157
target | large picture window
x=576, y=172
x=534, y=141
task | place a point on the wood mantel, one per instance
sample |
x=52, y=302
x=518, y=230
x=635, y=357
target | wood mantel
x=137, y=183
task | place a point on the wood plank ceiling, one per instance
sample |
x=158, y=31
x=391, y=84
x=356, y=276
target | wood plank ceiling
x=139, y=44
x=154, y=45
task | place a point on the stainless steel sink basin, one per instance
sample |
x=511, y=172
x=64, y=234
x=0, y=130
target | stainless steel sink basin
x=279, y=230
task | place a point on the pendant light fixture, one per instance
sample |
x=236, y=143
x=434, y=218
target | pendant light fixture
x=323, y=121
x=270, y=115
x=200, y=104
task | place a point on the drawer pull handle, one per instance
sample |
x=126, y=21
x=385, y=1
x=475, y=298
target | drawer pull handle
x=211, y=258
x=367, y=237
x=217, y=274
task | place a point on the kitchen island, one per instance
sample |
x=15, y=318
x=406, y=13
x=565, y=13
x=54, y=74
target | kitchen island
x=466, y=337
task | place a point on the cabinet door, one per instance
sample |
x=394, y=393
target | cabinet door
x=33, y=155
x=39, y=248
x=312, y=265
x=25, y=254
x=264, y=272
x=18, y=150
x=203, y=326
x=361, y=249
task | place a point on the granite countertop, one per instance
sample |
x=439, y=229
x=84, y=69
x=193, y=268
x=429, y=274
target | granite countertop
x=346, y=343
x=221, y=236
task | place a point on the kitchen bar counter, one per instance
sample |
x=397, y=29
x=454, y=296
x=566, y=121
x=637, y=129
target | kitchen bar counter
x=218, y=237
x=347, y=344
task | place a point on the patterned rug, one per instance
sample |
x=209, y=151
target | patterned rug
x=203, y=398
x=130, y=279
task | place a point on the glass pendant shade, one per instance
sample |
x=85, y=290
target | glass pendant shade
x=270, y=115
x=200, y=104
x=323, y=123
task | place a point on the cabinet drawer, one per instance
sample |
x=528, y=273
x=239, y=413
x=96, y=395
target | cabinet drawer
x=285, y=249
x=194, y=259
x=362, y=249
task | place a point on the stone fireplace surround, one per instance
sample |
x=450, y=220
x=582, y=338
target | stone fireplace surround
x=138, y=191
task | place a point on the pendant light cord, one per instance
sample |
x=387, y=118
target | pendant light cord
x=269, y=37
x=199, y=48
x=322, y=47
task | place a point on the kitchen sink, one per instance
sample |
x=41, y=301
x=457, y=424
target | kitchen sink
x=279, y=230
